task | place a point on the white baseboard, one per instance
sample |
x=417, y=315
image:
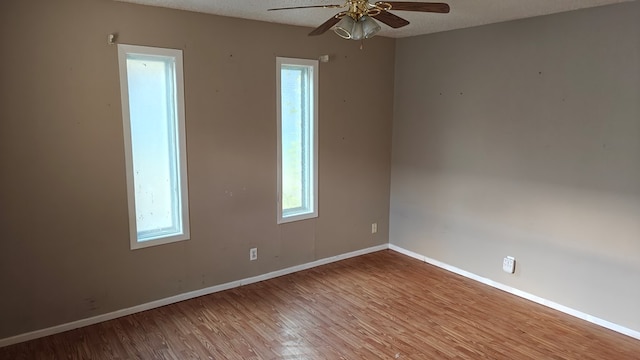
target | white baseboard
x=592, y=319
x=181, y=297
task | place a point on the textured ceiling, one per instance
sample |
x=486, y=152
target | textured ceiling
x=464, y=13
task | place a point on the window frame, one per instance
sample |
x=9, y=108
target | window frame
x=312, y=192
x=178, y=142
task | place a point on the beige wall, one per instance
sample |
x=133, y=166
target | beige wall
x=64, y=250
x=523, y=139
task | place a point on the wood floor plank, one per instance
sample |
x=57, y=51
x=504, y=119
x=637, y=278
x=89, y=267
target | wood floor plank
x=377, y=306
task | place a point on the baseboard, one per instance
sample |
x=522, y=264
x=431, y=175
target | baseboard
x=548, y=303
x=181, y=297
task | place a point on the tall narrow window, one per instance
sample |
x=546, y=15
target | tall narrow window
x=151, y=84
x=297, y=106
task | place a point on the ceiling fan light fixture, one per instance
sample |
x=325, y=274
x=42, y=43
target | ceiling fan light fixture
x=345, y=27
x=364, y=28
x=358, y=32
x=370, y=27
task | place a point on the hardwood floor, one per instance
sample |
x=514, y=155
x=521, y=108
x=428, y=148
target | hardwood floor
x=378, y=306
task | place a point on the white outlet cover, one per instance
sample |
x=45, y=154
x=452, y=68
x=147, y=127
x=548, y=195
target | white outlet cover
x=509, y=264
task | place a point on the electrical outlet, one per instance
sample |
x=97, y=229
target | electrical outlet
x=253, y=254
x=509, y=264
x=374, y=228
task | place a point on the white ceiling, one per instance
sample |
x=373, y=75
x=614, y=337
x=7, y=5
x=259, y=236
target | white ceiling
x=464, y=13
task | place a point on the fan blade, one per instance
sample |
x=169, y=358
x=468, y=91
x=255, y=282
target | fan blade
x=325, y=26
x=391, y=20
x=417, y=6
x=308, y=7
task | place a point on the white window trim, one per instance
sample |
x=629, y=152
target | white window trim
x=123, y=50
x=314, y=178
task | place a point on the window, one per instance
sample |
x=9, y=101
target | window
x=297, y=107
x=151, y=84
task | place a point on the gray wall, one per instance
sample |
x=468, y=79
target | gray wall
x=523, y=139
x=64, y=248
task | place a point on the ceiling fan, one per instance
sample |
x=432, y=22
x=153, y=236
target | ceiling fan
x=357, y=21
